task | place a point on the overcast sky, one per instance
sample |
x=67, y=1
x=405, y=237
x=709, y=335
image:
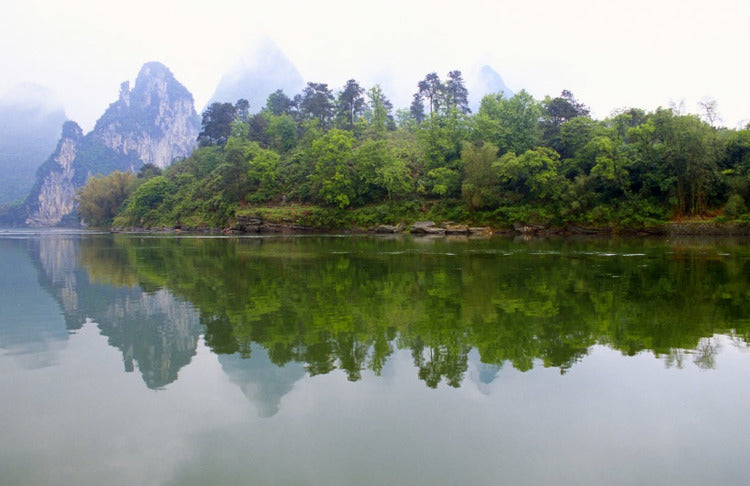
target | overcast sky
x=642, y=53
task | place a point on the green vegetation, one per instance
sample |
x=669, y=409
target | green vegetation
x=349, y=159
x=101, y=198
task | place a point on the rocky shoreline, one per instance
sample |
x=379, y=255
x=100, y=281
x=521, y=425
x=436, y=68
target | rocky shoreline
x=255, y=225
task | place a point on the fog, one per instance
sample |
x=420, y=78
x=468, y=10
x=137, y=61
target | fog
x=610, y=55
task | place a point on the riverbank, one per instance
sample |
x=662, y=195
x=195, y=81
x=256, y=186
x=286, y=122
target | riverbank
x=309, y=220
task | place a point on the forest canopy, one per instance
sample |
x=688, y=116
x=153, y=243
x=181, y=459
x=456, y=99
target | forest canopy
x=349, y=154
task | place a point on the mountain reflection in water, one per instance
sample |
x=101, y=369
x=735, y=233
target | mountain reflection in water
x=276, y=308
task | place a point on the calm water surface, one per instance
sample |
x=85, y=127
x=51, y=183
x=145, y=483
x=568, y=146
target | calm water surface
x=357, y=360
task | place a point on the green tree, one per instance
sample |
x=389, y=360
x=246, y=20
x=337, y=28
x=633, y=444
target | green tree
x=317, y=103
x=147, y=171
x=216, y=125
x=282, y=133
x=456, y=94
x=351, y=105
x=734, y=161
x=431, y=89
x=626, y=119
x=334, y=171
x=575, y=134
x=676, y=158
x=242, y=110
x=234, y=180
x=279, y=104
x=441, y=136
x=379, y=113
x=610, y=169
x=480, y=187
x=534, y=174
x=417, y=108
x=444, y=182
x=146, y=198
x=263, y=173
x=101, y=198
x=510, y=124
x=379, y=172
x=257, y=129
x=557, y=111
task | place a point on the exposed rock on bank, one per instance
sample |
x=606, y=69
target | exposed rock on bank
x=255, y=224
x=447, y=228
x=707, y=228
x=389, y=229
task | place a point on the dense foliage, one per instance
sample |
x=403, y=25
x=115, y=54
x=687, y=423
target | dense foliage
x=101, y=197
x=517, y=159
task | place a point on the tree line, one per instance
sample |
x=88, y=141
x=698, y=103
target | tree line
x=517, y=159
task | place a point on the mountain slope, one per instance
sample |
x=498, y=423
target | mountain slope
x=154, y=123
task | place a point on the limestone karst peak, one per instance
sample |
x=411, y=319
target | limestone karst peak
x=152, y=122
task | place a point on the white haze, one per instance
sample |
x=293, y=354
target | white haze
x=609, y=54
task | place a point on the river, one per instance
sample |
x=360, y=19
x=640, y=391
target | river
x=342, y=360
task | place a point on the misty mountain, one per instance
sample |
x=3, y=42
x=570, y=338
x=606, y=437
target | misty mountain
x=263, y=69
x=154, y=123
x=30, y=119
x=484, y=81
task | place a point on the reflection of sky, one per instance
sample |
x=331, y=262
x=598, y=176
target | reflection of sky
x=86, y=422
x=261, y=381
x=609, y=420
x=481, y=373
x=32, y=327
x=71, y=416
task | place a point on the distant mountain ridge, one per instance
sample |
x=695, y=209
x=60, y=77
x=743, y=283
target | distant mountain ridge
x=483, y=82
x=263, y=69
x=154, y=123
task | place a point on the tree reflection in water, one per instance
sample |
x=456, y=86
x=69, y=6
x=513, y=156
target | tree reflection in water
x=348, y=303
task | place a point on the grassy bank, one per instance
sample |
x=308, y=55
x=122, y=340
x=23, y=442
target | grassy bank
x=623, y=220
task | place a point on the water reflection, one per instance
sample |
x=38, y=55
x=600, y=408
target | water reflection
x=261, y=381
x=32, y=329
x=306, y=360
x=319, y=304
x=152, y=329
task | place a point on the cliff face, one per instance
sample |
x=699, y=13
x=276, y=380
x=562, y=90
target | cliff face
x=54, y=188
x=153, y=123
x=156, y=121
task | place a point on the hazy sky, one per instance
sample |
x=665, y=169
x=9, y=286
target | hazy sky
x=642, y=53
